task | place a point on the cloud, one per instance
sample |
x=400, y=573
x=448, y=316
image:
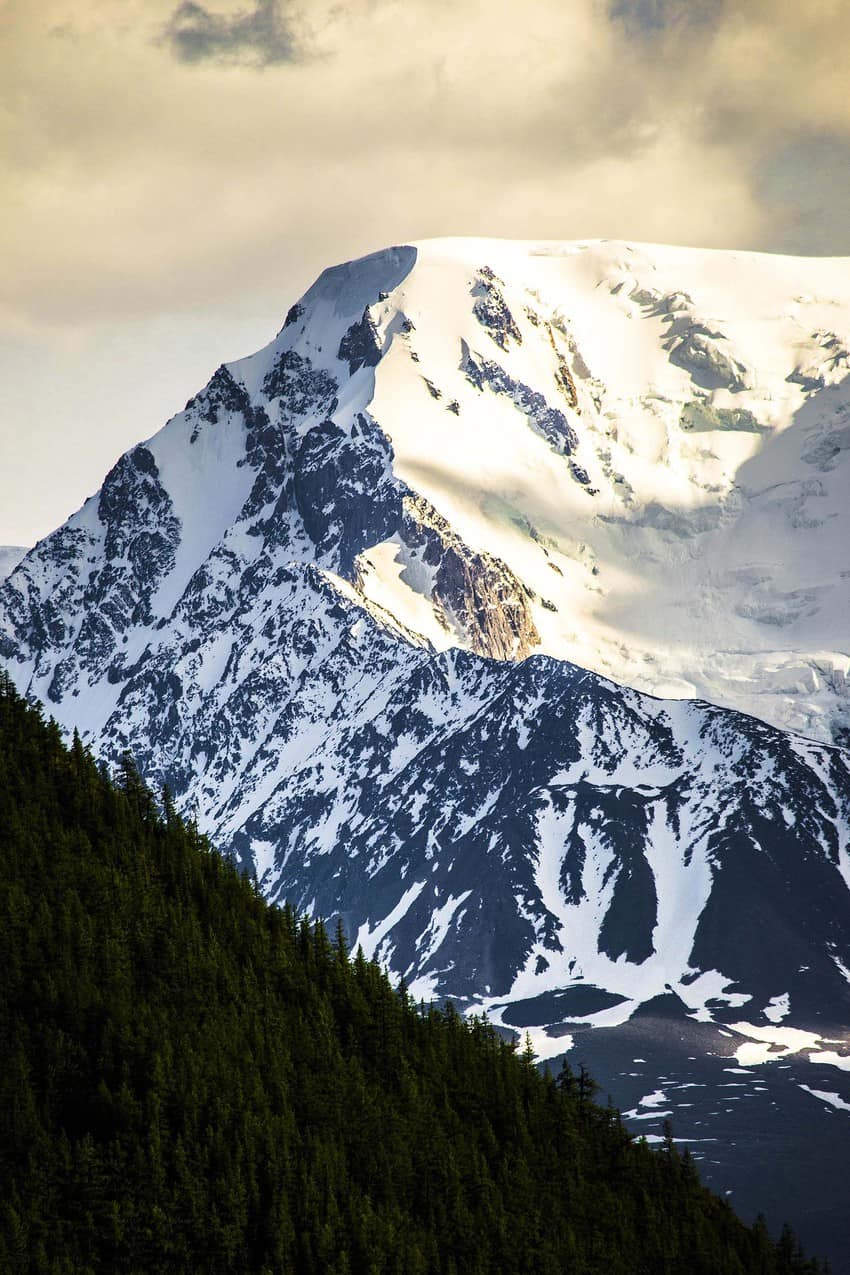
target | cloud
x=261, y=37
x=807, y=183
x=651, y=18
x=136, y=189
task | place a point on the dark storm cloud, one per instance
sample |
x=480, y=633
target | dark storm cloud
x=261, y=36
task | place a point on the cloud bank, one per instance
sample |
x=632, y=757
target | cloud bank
x=170, y=157
x=260, y=37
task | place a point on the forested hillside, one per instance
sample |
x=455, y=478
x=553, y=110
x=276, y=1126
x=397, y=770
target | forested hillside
x=194, y=1081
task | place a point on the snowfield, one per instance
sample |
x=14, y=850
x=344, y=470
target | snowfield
x=706, y=554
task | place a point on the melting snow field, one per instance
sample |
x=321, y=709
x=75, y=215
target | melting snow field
x=769, y=1044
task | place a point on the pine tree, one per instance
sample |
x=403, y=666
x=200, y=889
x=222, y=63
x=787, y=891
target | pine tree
x=194, y=1080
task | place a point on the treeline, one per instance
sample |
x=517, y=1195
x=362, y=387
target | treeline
x=194, y=1081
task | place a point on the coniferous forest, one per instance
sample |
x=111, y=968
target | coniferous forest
x=194, y=1081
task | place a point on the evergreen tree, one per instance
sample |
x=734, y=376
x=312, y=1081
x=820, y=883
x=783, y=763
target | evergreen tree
x=193, y=1080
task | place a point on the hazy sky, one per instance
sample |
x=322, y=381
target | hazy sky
x=176, y=173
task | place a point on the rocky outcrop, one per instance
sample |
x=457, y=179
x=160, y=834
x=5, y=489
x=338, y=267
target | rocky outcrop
x=491, y=309
x=477, y=595
x=72, y=632
x=359, y=346
x=548, y=421
x=344, y=489
x=298, y=386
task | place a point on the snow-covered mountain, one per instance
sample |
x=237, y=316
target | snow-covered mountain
x=354, y=602
x=10, y=556
x=645, y=449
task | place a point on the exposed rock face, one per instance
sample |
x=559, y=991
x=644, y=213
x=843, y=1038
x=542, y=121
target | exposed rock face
x=476, y=593
x=222, y=395
x=107, y=586
x=299, y=387
x=344, y=489
x=548, y=421
x=359, y=346
x=491, y=309
x=564, y=381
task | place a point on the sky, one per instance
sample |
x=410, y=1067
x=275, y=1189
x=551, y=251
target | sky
x=176, y=172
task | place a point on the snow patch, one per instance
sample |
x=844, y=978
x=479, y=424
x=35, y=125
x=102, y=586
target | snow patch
x=832, y=1099
x=369, y=939
x=778, y=1008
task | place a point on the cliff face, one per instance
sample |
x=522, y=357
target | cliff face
x=477, y=597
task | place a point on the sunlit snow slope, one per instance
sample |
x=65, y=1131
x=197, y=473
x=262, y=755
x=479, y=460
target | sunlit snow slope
x=678, y=502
